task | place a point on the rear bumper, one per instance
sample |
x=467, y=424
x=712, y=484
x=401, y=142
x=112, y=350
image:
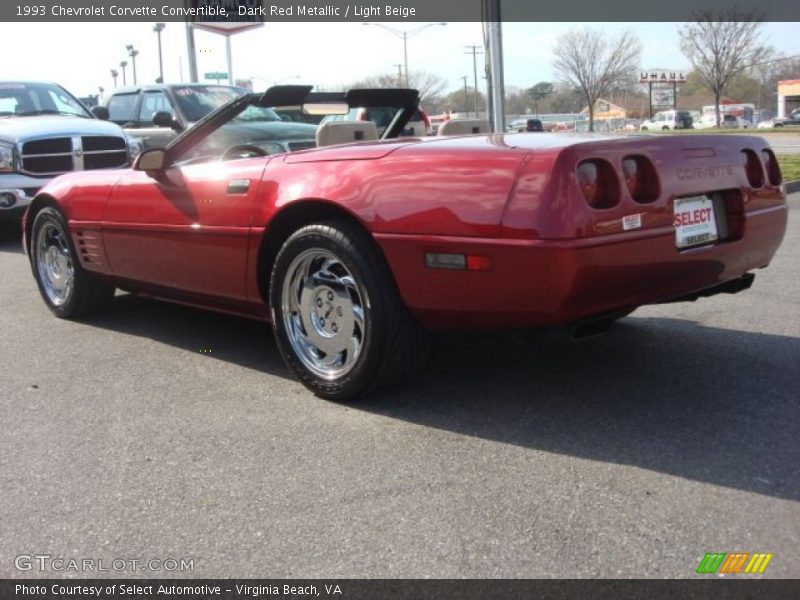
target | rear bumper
x=546, y=282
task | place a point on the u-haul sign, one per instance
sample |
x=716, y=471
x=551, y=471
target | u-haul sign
x=662, y=77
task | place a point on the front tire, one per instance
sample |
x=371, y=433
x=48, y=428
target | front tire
x=338, y=318
x=66, y=288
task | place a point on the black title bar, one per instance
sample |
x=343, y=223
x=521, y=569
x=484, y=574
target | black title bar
x=378, y=589
x=384, y=10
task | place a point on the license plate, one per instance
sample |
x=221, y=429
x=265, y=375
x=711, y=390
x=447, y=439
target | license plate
x=695, y=221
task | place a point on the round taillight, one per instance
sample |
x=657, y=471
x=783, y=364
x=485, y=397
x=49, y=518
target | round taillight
x=640, y=179
x=752, y=168
x=598, y=183
x=771, y=165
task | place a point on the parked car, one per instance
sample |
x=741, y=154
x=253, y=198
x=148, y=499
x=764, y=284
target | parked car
x=735, y=123
x=668, y=119
x=793, y=120
x=727, y=121
x=352, y=257
x=46, y=131
x=155, y=114
x=521, y=125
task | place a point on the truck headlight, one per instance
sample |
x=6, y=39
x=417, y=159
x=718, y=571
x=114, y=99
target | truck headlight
x=6, y=158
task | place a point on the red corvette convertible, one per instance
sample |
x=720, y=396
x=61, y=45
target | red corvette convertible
x=356, y=247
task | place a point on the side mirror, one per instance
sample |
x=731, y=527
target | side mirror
x=150, y=160
x=101, y=112
x=164, y=118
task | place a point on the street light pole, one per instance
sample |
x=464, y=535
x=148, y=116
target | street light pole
x=133, y=53
x=466, y=96
x=124, y=64
x=404, y=35
x=158, y=28
x=399, y=74
x=114, y=75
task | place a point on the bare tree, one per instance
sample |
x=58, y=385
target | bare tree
x=722, y=44
x=594, y=62
x=429, y=85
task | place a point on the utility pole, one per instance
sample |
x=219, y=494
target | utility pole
x=466, y=96
x=475, y=51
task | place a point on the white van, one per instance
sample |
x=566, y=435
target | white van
x=668, y=119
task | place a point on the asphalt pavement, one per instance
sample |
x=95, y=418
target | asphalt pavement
x=162, y=432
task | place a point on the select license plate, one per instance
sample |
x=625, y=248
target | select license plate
x=695, y=221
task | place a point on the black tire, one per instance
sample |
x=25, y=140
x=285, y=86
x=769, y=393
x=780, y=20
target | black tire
x=392, y=346
x=84, y=294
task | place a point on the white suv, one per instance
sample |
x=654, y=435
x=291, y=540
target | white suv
x=668, y=119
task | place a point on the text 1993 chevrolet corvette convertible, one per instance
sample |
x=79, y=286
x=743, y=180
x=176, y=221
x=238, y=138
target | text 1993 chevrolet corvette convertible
x=352, y=250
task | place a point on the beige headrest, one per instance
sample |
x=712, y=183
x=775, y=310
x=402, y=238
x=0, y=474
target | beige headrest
x=464, y=126
x=346, y=132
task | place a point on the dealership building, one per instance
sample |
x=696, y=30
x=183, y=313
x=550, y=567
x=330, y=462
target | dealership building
x=788, y=96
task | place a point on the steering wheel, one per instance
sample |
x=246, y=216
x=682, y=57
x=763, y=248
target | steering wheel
x=242, y=151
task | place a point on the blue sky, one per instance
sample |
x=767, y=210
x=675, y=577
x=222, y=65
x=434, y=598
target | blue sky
x=332, y=54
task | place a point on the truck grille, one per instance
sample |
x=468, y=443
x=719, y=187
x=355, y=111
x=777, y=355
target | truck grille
x=60, y=155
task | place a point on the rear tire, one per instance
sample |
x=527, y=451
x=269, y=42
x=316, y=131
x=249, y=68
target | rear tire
x=338, y=318
x=67, y=289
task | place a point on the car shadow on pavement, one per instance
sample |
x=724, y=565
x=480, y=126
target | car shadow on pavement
x=244, y=342
x=10, y=237
x=669, y=395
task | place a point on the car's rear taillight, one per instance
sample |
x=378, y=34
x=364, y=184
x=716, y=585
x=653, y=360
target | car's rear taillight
x=641, y=179
x=772, y=167
x=598, y=183
x=752, y=168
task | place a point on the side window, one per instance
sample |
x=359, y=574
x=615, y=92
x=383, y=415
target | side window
x=8, y=105
x=120, y=108
x=153, y=102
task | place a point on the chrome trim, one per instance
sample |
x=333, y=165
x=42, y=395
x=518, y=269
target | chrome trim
x=46, y=155
x=77, y=153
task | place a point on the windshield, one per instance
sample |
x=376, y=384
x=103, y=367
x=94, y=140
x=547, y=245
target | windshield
x=29, y=99
x=196, y=101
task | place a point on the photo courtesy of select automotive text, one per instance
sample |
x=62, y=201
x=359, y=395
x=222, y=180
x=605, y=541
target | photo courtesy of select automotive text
x=399, y=300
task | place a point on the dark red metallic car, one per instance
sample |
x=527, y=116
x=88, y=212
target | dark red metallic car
x=352, y=255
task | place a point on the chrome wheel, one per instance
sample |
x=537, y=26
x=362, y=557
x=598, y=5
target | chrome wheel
x=54, y=263
x=323, y=313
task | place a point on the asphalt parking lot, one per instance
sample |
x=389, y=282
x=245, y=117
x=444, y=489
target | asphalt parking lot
x=158, y=431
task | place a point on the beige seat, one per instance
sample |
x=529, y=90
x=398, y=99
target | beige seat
x=346, y=132
x=417, y=128
x=464, y=127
